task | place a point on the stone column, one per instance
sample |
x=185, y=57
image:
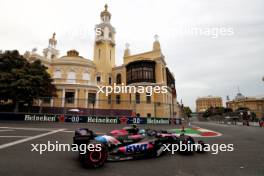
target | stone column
x=96, y=100
x=63, y=98
x=86, y=98
x=51, y=102
x=39, y=102
x=76, y=98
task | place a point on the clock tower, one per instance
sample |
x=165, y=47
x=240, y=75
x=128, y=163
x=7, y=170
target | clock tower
x=104, y=47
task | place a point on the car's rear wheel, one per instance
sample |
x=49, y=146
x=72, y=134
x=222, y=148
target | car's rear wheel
x=159, y=150
x=188, y=142
x=201, y=147
x=94, y=159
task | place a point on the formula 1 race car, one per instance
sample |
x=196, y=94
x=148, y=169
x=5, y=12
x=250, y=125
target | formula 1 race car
x=126, y=144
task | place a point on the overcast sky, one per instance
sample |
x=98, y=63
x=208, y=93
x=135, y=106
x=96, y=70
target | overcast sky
x=202, y=63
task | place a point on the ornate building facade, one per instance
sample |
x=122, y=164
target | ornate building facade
x=203, y=103
x=77, y=78
x=254, y=104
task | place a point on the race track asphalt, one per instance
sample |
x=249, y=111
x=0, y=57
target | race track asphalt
x=18, y=160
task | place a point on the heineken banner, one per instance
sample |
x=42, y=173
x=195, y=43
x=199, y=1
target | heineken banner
x=139, y=120
x=108, y=120
x=40, y=118
x=87, y=119
x=136, y=120
x=158, y=121
x=73, y=119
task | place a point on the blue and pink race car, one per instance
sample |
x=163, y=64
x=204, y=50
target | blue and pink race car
x=125, y=144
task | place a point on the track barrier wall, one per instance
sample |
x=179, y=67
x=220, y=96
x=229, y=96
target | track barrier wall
x=34, y=117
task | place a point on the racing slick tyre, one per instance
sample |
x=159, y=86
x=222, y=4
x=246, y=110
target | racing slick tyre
x=186, y=140
x=159, y=150
x=94, y=159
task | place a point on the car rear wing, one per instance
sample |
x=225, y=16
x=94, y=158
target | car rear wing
x=83, y=136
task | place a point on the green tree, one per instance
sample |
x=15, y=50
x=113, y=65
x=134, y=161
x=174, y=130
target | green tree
x=21, y=81
x=187, y=111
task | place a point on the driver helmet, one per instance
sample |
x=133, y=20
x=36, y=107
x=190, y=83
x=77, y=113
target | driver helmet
x=142, y=131
x=134, y=126
x=135, y=129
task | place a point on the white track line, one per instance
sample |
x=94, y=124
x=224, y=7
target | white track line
x=5, y=130
x=14, y=136
x=29, y=129
x=66, y=131
x=29, y=139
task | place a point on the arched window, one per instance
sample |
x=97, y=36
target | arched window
x=71, y=78
x=118, y=78
x=148, y=98
x=109, y=80
x=86, y=76
x=98, y=78
x=109, y=99
x=118, y=99
x=57, y=73
x=137, y=98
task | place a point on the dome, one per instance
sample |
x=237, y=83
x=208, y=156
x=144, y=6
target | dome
x=73, y=58
x=73, y=53
x=239, y=96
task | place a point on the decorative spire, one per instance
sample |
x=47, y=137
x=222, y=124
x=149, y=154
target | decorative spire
x=106, y=6
x=105, y=15
x=127, y=45
x=53, y=41
x=51, y=52
x=127, y=50
x=156, y=37
x=156, y=44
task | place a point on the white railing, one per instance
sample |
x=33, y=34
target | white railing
x=74, y=81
